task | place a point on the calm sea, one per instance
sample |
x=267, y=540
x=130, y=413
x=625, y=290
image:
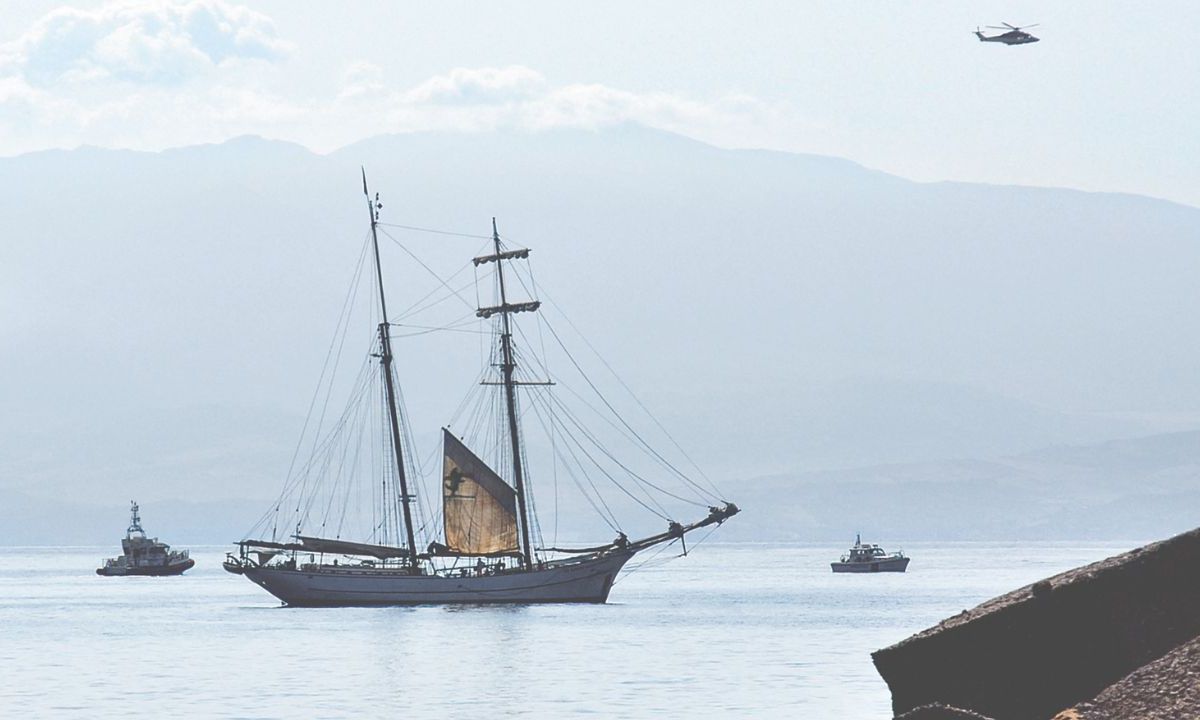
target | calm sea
x=730, y=631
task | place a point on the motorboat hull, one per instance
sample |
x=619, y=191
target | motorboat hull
x=585, y=581
x=146, y=570
x=897, y=564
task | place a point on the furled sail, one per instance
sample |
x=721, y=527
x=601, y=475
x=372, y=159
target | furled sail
x=346, y=547
x=479, y=508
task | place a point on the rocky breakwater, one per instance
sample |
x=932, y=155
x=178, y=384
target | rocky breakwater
x=1057, y=645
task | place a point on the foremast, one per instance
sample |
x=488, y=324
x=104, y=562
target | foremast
x=385, y=360
x=507, y=366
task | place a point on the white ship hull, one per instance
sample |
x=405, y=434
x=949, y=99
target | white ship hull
x=586, y=581
x=891, y=564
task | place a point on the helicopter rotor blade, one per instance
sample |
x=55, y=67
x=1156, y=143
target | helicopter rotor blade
x=1014, y=27
x=995, y=27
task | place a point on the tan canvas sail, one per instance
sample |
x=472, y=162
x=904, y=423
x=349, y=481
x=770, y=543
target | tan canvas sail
x=479, y=508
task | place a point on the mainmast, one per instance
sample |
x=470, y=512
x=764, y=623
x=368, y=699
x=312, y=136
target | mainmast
x=508, y=365
x=385, y=342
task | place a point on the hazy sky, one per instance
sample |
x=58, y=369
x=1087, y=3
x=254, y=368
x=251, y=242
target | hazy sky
x=1107, y=101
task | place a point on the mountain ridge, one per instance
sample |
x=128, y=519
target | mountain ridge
x=780, y=313
x=1047, y=500
x=357, y=145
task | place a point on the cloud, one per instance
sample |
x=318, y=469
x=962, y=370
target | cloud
x=361, y=79
x=593, y=106
x=515, y=96
x=139, y=42
x=156, y=73
x=479, y=86
x=487, y=97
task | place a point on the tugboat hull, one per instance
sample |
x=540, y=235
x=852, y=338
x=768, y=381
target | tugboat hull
x=588, y=581
x=899, y=564
x=151, y=570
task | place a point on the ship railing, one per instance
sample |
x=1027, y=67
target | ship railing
x=476, y=570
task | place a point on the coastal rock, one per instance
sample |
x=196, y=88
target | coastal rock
x=1060, y=642
x=938, y=711
x=1166, y=689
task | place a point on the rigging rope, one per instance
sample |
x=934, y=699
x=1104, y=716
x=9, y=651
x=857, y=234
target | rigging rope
x=590, y=436
x=606, y=513
x=343, y=317
x=716, y=492
x=433, y=231
x=430, y=270
x=326, y=468
x=695, y=486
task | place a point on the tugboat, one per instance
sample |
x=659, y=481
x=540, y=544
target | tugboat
x=867, y=558
x=143, y=555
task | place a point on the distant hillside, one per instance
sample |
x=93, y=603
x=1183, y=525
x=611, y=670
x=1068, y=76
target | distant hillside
x=1127, y=489
x=34, y=521
x=1136, y=488
x=164, y=317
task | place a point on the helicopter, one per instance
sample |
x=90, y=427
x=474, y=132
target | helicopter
x=1014, y=35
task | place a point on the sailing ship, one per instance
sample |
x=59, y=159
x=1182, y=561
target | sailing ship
x=870, y=558
x=487, y=552
x=144, y=556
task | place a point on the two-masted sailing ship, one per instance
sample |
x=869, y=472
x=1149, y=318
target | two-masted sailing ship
x=489, y=550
